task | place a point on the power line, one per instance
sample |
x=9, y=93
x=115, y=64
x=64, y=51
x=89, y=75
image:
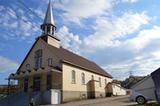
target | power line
x=24, y=5
x=26, y=21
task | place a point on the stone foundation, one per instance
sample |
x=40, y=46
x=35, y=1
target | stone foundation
x=80, y=95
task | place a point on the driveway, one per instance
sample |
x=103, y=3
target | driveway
x=110, y=101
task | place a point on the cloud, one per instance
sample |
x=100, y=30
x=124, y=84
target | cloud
x=7, y=64
x=140, y=67
x=17, y=24
x=130, y=1
x=109, y=31
x=75, y=10
x=69, y=40
x=139, y=55
x=144, y=38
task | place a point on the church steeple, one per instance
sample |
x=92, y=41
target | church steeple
x=48, y=26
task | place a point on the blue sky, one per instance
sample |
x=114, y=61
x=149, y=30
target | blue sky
x=122, y=36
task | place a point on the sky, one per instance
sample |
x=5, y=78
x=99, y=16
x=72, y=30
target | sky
x=122, y=36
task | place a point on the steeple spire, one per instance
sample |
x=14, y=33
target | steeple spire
x=48, y=26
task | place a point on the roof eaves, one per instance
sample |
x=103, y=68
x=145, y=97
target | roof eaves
x=65, y=61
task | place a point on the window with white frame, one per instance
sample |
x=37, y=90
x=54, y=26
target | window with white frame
x=83, y=78
x=73, y=77
x=100, y=84
x=50, y=61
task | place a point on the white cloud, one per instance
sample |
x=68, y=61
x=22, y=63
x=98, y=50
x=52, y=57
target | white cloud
x=69, y=40
x=107, y=31
x=156, y=54
x=145, y=56
x=75, y=10
x=140, y=67
x=130, y=1
x=7, y=64
x=144, y=37
x=17, y=24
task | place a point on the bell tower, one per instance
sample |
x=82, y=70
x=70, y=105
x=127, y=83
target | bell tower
x=48, y=28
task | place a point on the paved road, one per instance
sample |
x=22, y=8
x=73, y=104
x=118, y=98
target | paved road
x=112, y=101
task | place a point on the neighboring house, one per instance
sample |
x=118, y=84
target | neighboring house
x=58, y=73
x=145, y=88
x=118, y=90
x=156, y=78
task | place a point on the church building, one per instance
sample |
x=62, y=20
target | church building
x=57, y=74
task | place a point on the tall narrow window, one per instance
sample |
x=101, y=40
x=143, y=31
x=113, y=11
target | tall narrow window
x=27, y=67
x=36, y=83
x=25, y=84
x=49, y=81
x=83, y=78
x=100, y=82
x=105, y=81
x=50, y=61
x=92, y=77
x=38, y=58
x=73, y=76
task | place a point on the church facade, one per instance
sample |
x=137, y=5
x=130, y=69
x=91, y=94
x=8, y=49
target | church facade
x=48, y=66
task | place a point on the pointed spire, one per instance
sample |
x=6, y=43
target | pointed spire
x=48, y=26
x=49, y=15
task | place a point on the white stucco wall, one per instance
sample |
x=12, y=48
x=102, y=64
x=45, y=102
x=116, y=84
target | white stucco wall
x=118, y=90
x=78, y=86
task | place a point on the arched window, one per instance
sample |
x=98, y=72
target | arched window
x=73, y=76
x=100, y=82
x=92, y=77
x=105, y=81
x=83, y=78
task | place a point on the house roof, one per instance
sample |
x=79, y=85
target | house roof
x=140, y=82
x=156, y=72
x=78, y=61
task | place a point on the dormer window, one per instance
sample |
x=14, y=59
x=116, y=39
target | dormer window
x=27, y=67
x=38, y=59
x=50, y=61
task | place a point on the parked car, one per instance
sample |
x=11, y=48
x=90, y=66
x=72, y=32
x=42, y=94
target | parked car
x=139, y=98
x=143, y=91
